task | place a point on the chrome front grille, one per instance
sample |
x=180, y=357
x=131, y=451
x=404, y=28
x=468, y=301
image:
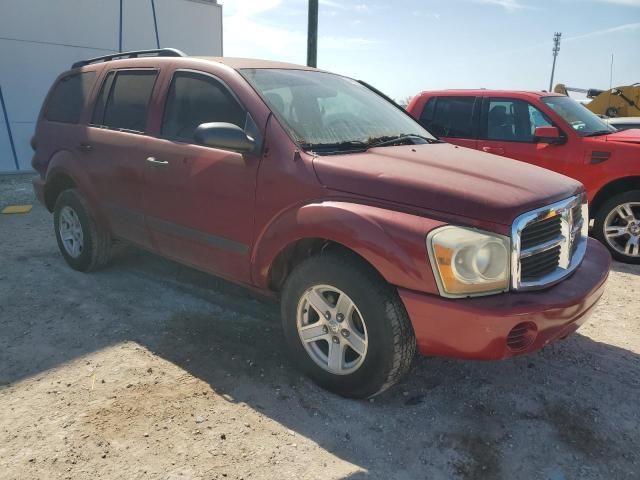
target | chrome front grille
x=548, y=243
x=539, y=265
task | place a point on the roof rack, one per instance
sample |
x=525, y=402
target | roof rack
x=161, y=52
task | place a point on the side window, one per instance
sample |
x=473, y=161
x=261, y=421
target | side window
x=194, y=99
x=68, y=97
x=101, y=101
x=449, y=116
x=538, y=119
x=127, y=100
x=513, y=120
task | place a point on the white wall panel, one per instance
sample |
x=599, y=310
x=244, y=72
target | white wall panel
x=91, y=23
x=6, y=156
x=194, y=27
x=27, y=72
x=39, y=39
x=138, y=31
x=22, y=133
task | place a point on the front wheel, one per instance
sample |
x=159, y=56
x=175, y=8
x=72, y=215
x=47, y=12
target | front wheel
x=617, y=226
x=345, y=327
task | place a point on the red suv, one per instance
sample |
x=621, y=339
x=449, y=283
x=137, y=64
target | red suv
x=317, y=190
x=554, y=132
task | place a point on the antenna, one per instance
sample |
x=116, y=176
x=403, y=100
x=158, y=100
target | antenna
x=556, y=49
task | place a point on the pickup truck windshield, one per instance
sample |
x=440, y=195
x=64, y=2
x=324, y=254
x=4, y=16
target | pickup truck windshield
x=327, y=112
x=583, y=121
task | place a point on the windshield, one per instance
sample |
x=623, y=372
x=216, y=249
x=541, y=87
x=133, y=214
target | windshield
x=581, y=120
x=324, y=109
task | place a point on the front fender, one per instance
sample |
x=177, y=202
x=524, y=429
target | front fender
x=392, y=242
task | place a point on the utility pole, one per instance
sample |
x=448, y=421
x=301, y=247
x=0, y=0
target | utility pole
x=312, y=34
x=556, y=49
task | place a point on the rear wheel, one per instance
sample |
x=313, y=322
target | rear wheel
x=345, y=327
x=617, y=226
x=83, y=243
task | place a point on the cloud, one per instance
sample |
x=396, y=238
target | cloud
x=249, y=7
x=628, y=27
x=629, y=3
x=248, y=33
x=510, y=5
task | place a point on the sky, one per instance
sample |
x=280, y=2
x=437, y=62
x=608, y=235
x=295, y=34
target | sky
x=403, y=47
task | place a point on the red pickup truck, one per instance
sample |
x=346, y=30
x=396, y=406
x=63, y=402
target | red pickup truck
x=555, y=132
x=315, y=189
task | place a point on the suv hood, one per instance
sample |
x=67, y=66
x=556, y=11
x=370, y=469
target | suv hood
x=446, y=178
x=626, y=136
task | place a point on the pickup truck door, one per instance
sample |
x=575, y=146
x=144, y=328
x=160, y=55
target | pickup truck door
x=453, y=119
x=199, y=201
x=506, y=128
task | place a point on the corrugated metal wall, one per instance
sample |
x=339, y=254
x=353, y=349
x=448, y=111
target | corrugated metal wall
x=41, y=38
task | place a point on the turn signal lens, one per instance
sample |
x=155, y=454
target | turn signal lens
x=468, y=262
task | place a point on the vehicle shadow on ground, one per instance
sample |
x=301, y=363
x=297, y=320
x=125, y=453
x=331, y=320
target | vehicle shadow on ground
x=446, y=419
x=625, y=268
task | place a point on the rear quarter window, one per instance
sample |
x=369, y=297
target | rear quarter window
x=68, y=97
x=449, y=116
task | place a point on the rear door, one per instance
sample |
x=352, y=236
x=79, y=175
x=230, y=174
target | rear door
x=452, y=119
x=507, y=129
x=116, y=145
x=199, y=201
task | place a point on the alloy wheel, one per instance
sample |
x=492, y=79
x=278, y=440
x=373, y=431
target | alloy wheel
x=70, y=230
x=332, y=329
x=622, y=229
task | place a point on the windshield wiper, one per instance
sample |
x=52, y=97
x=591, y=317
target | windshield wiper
x=395, y=139
x=337, y=147
x=598, y=133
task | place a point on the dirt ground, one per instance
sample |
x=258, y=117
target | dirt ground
x=151, y=370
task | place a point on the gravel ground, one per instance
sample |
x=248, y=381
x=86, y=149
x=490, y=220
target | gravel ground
x=151, y=370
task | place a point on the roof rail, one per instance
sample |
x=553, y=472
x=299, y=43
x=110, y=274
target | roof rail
x=161, y=52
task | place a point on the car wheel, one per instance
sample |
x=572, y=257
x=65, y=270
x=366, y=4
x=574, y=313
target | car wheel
x=345, y=327
x=84, y=245
x=617, y=226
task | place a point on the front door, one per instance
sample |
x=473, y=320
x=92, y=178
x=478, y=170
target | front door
x=199, y=201
x=507, y=129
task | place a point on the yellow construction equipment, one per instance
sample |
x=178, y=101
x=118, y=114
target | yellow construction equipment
x=617, y=102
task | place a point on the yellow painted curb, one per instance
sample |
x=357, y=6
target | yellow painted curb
x=17, y=209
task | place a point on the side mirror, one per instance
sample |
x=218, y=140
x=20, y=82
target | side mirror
x=550, y=135
x=226, y=136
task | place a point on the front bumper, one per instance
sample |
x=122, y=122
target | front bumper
x=478, y=328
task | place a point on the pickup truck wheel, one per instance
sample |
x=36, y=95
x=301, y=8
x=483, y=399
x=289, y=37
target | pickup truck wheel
x=84, y=245
x=617, y=226
x=345, y=327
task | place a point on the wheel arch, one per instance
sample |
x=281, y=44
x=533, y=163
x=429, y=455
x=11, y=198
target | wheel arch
x=57, y=182
x=392, y=243
x=299, y=250
x=612, y=188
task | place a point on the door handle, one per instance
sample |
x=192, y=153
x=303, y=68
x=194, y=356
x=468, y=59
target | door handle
x=155, y=162
x=85, y=147
x=496, y=150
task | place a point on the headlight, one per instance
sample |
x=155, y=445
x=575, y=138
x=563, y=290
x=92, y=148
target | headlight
x=469, y=262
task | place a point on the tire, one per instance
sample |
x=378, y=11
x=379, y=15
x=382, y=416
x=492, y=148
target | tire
x=626, y=246
x=378, y=312
x=93, y=242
